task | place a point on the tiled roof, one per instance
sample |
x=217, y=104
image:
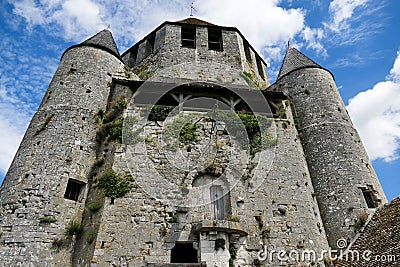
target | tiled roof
x=381, y=236
x=195, y=21
x=103, y=39
x=295, y=60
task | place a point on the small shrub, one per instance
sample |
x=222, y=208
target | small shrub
x=60, y=243
x=233, y=253
x=159, y=113
x=163, y=231
x=307, y=92
x=233, y=219
x=90, y=236
x=361, y=220
x=219, y=244
x=116, y=186
x=144, y=74
x=188, y=133
x=100, y=113
x=182, y=128
x=94, y=206
x=46, y=220
x=73, y=228
x=114, y=130
x=111, y=125
x=251, y=80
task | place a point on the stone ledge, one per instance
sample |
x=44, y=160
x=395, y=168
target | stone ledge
x=219, y=225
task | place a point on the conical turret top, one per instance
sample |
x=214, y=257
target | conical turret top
x=103, y=40
x=294, y=60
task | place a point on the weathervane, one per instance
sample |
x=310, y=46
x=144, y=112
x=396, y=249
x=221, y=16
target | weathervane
x=192, y=9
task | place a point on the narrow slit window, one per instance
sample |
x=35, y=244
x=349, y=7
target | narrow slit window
x=260, y=68
x=215, y=39
x=74, y=190
x=188, y=36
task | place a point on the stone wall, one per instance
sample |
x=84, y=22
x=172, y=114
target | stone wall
x=273, y=206
x=199, y=63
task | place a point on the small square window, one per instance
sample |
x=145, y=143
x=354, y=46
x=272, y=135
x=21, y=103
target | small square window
x=188, y=36
x=370, y=198
x=74, y=189
x=215, y=39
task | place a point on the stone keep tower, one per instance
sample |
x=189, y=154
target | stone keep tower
x=180, y=152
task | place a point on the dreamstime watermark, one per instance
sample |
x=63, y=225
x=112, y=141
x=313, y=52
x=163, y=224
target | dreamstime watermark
x=331, y=255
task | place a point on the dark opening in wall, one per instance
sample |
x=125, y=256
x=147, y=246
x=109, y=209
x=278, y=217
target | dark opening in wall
x=133, y=56
x=369, y=197
x=74, y=190
x=247, y=51
x=215, y=39
x=183, y=252
x=188, y=36
x=260, y=68
x=150, y=44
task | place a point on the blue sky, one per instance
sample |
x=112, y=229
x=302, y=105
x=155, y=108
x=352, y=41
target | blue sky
x=358, y=40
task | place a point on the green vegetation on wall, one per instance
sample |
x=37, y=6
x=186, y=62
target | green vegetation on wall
x=219, y=244
x=159, y=113
x=187, y=130
x=116, y=186
x=111, y=122
x=47, y=220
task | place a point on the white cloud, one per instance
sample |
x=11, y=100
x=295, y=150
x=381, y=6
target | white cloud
x=268, y=24
x=313, y=38
x=395, y=71
x=10, y=139
x=30, y=11
x=376, y=115
x=341, y=11
x=79, y=17
x=23, y=80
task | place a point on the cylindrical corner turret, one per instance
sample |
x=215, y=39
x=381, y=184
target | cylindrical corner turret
x=346, y=186
x=46, y=185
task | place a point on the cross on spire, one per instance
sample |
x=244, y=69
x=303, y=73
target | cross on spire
x=192, y=9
